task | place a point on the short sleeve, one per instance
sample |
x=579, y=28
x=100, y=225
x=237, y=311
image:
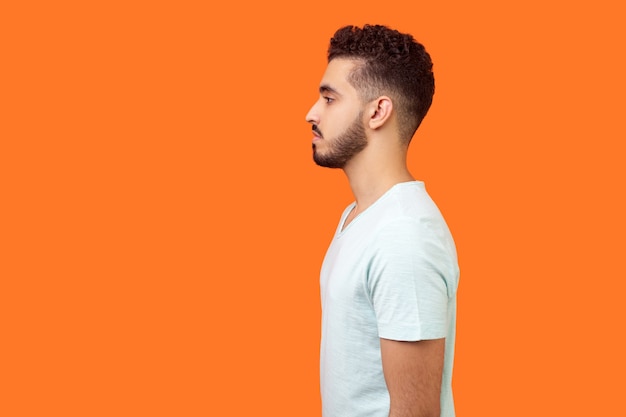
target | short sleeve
x=411, y=277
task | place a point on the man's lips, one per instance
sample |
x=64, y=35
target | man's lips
x=316, y=137
x=317, y=134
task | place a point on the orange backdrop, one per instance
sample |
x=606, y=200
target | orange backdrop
x=164, y=223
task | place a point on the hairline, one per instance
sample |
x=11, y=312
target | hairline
x=376, y=90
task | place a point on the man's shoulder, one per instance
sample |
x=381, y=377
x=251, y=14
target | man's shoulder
x=409, y=208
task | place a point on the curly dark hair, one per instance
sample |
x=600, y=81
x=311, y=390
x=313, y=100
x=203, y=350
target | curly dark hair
x=390, y=63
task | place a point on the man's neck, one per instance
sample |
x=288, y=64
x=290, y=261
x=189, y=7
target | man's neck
x=370, y=178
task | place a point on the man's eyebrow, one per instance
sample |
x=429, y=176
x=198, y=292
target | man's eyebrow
x=325, y=88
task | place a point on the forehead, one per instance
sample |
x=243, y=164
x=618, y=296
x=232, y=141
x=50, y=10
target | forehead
x=336, y=76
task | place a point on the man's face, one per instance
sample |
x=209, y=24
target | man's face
x=337, y=118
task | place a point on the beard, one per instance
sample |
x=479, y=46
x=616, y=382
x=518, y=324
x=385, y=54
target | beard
x=342, y=148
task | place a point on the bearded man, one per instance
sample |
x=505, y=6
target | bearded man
x=389, y=278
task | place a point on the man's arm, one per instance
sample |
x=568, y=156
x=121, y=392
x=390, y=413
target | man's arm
x=413, y=372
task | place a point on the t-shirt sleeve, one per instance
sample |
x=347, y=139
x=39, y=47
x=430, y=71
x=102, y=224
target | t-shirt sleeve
x=411, y=278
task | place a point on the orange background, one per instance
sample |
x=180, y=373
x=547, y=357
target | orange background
x=164, y=223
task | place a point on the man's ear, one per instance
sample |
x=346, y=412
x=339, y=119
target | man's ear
x=379, y=112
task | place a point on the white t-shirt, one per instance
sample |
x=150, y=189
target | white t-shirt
x=391, y=273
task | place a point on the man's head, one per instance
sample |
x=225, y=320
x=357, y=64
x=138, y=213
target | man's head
x=373, y=67
x=388, y=63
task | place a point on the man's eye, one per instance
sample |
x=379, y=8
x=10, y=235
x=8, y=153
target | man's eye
x=328, y=100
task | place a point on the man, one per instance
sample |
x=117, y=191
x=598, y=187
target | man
x=389, y=278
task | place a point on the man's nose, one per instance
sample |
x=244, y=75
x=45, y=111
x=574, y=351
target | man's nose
x=312, y=116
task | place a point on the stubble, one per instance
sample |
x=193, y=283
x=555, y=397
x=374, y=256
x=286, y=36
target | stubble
x=342, y=148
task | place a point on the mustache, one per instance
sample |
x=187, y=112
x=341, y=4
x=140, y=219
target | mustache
x=317, y=130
